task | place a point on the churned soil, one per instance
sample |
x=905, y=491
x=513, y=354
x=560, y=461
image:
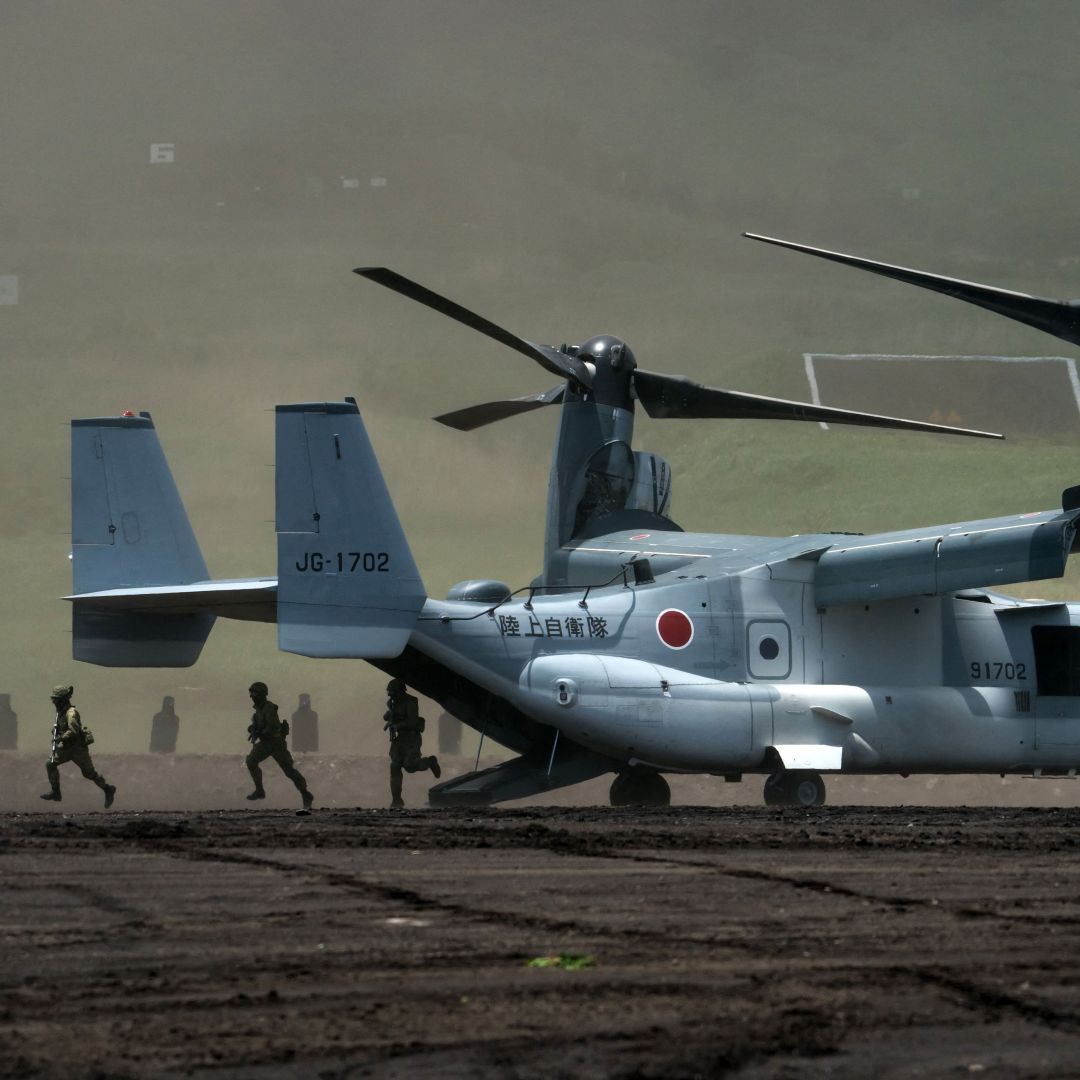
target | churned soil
x=541, y=942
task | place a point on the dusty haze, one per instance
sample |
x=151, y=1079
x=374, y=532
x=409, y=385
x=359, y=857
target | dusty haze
x=565, y=169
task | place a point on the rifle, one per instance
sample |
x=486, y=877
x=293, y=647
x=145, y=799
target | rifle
x=388, y=721
x=56, y=742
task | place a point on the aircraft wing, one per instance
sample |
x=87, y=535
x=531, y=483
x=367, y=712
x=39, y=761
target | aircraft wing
x=254, y=599
x=946, y=558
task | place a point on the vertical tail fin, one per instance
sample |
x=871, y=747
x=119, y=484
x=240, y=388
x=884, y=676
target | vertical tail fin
x=129, y=529
x=347, y=581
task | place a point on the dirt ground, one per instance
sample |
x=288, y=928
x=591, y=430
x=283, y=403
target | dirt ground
x=693, y=942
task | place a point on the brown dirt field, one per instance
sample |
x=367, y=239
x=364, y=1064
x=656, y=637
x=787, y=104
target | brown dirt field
x=729, y=941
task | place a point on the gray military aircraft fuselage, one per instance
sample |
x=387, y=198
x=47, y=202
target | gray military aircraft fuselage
x=640, y=649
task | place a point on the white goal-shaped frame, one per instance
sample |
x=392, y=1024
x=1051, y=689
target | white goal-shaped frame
x=815, y=397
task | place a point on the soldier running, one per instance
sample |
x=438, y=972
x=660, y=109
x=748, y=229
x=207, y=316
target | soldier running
x=70, y=742
x=267, y=732
x=405, y=724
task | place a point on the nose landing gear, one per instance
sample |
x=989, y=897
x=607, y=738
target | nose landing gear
x=794, y=787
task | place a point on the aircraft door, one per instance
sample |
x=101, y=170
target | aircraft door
x=1057, y=673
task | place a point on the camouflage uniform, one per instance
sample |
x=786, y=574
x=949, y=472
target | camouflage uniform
x=402, y=719
x=69, y=744
x=267, y=732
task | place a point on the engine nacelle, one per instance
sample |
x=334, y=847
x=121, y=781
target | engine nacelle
x=651, y=489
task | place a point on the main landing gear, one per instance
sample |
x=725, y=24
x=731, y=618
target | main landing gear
x=640, y=787
x=794, y=787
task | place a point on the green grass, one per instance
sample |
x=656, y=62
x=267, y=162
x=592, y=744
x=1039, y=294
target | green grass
x=563, y=962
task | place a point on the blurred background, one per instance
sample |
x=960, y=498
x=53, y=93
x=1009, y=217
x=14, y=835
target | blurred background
x=184, y=189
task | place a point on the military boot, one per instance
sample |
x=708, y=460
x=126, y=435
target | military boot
x=110, y=794
x=397, y=804
x=52, y=796
x=433, y=765
x=258, y=793
x=308, y=798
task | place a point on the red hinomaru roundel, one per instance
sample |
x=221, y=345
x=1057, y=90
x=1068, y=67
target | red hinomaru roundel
x=674, y=628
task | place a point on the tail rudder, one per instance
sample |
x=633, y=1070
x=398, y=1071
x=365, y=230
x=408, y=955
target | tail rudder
x=129, y=530
x=347, y=582
x=129, y=526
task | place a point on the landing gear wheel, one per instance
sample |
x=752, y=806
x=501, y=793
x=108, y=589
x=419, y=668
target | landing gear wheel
x=806, y=788
x=774, y=790
x=619, y=795
x=794, y=787
x=640, y=787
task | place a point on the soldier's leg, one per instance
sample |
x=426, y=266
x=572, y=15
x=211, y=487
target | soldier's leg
x=53, y=773
x=412, y=760
x=259, y=752
x=81, y=756
x=285, y=762
x=416, y=762
x=396, y=757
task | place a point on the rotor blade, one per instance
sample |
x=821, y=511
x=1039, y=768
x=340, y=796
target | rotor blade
x=558, y=363
x=1058, y=317
x=673, y=397
x=476, y=416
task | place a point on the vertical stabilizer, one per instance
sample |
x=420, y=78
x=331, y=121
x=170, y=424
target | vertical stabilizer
x=129, y=530
x=347, y=581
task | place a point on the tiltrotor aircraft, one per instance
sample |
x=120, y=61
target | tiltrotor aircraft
x=640, y=649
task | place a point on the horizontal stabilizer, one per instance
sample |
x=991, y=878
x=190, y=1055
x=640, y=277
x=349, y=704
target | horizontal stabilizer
x=251, y=599
x=129, y=531
x=112, y=639
x=347, y=582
